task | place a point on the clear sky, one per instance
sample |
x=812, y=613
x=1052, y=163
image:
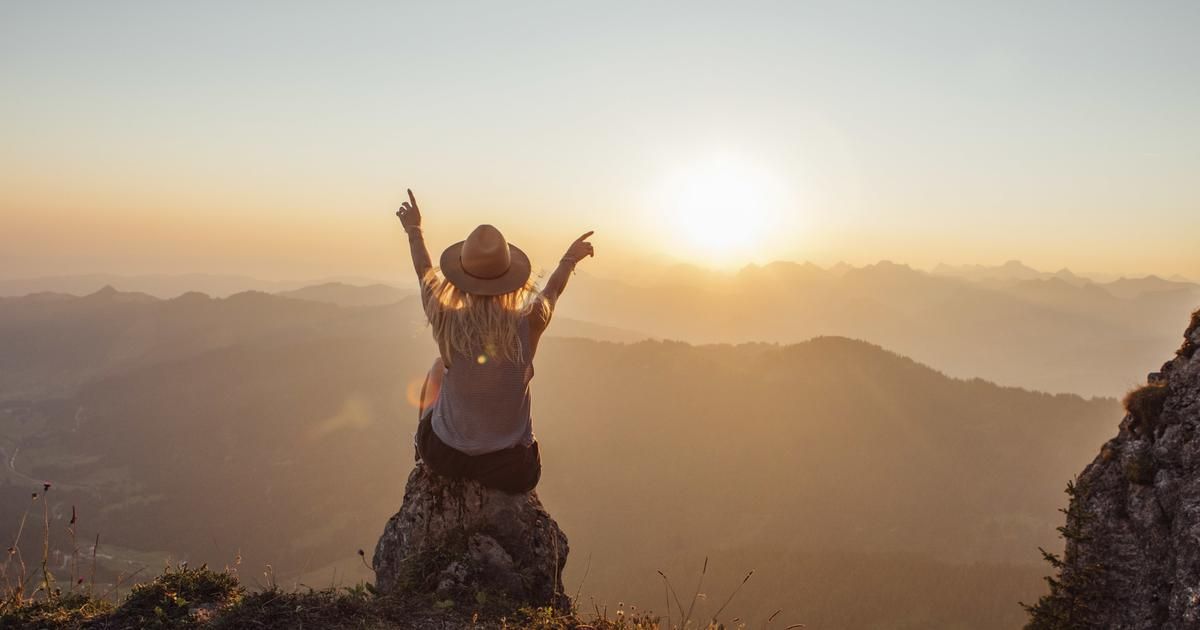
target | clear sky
x=274, y=139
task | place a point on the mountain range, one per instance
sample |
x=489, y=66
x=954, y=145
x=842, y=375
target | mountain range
x=1046, y=334
x=1011, y=324
x=277, y=431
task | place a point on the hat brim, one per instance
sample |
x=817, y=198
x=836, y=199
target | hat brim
x=511, y=280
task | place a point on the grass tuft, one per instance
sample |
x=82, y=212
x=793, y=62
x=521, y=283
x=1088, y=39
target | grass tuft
x=1145, y=404
x=1189, y=347
x=177, y=597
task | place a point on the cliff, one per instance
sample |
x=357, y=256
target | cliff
x=1132, y=557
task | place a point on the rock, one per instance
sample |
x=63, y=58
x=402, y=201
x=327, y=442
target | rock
x=1132, y=557
x=471, y=545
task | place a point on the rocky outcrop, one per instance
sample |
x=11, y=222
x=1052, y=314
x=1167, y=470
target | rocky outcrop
x=471, y=545
x=1132, y=557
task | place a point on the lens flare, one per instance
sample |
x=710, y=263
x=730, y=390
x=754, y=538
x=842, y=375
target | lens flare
x=412, y=393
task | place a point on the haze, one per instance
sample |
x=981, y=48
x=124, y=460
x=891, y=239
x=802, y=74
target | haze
x=274, y=140
x=870, y=280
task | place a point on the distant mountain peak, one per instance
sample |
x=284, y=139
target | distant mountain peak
x=109, y=293
x=252, y=294
x=889, y=264
x=1010, y=271
x=192, y=296
x=1147, y=278
x=346, y=294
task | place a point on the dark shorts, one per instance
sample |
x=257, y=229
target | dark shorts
x=515, y=469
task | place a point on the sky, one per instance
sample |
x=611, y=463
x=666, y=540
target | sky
x=276, y=139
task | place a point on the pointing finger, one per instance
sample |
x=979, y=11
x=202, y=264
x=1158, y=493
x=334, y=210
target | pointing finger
x=411, y=198
x=590, y=232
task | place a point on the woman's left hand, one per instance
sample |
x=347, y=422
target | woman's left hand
x=409, y=213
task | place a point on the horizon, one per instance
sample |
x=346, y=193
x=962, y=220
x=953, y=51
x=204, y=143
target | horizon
x=941, y=269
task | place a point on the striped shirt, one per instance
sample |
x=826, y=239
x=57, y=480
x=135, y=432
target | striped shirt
x=484, y=402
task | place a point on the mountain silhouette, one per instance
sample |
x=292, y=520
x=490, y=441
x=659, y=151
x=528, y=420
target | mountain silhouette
x=280, y=430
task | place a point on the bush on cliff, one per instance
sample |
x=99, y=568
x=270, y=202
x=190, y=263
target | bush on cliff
x=1145, y=404
x=1189, y=347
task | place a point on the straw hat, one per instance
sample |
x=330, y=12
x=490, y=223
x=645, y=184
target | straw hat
x=485, y=263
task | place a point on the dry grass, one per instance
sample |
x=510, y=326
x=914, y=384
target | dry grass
x=183, y=597
x=1145, y=404
x=199, y=598
x=1189, y=347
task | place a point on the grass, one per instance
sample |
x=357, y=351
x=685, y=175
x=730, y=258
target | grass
x=31, y=597
x=1145, y=404
x=188, y=598
x=183, y=597
x=1189, y=347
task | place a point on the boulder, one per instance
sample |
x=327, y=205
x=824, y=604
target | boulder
x=462, y=542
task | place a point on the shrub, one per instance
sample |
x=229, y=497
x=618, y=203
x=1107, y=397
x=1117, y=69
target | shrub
x=1145, y=404
x=68, y=611
x=1189, y=347
x=176, y=595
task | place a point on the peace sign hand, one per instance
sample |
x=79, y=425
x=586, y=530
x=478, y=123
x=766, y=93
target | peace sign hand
x=409, y=213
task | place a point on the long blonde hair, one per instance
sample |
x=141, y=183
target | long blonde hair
x=479, y=325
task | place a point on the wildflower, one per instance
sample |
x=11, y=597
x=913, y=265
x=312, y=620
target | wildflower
x=45, y=486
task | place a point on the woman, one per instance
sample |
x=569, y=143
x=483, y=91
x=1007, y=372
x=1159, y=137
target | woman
x=487, y=317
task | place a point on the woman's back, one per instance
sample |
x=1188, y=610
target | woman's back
x=481, y=296
x=484, y=402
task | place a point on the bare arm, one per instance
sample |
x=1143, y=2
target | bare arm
x=410, y=218
x=578, y=250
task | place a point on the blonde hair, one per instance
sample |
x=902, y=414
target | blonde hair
x=475, y=325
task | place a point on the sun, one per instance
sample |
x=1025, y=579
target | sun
x=721, y=209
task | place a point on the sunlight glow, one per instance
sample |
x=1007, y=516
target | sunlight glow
x=722, y=209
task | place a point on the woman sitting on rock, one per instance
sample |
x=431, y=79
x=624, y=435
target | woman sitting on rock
x=487, y=317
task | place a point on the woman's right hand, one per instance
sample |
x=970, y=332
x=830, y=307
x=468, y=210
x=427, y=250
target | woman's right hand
x=580, y=249
x=409, y=213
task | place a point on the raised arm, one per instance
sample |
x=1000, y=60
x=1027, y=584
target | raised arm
x=578, y=250
x=410, y=218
